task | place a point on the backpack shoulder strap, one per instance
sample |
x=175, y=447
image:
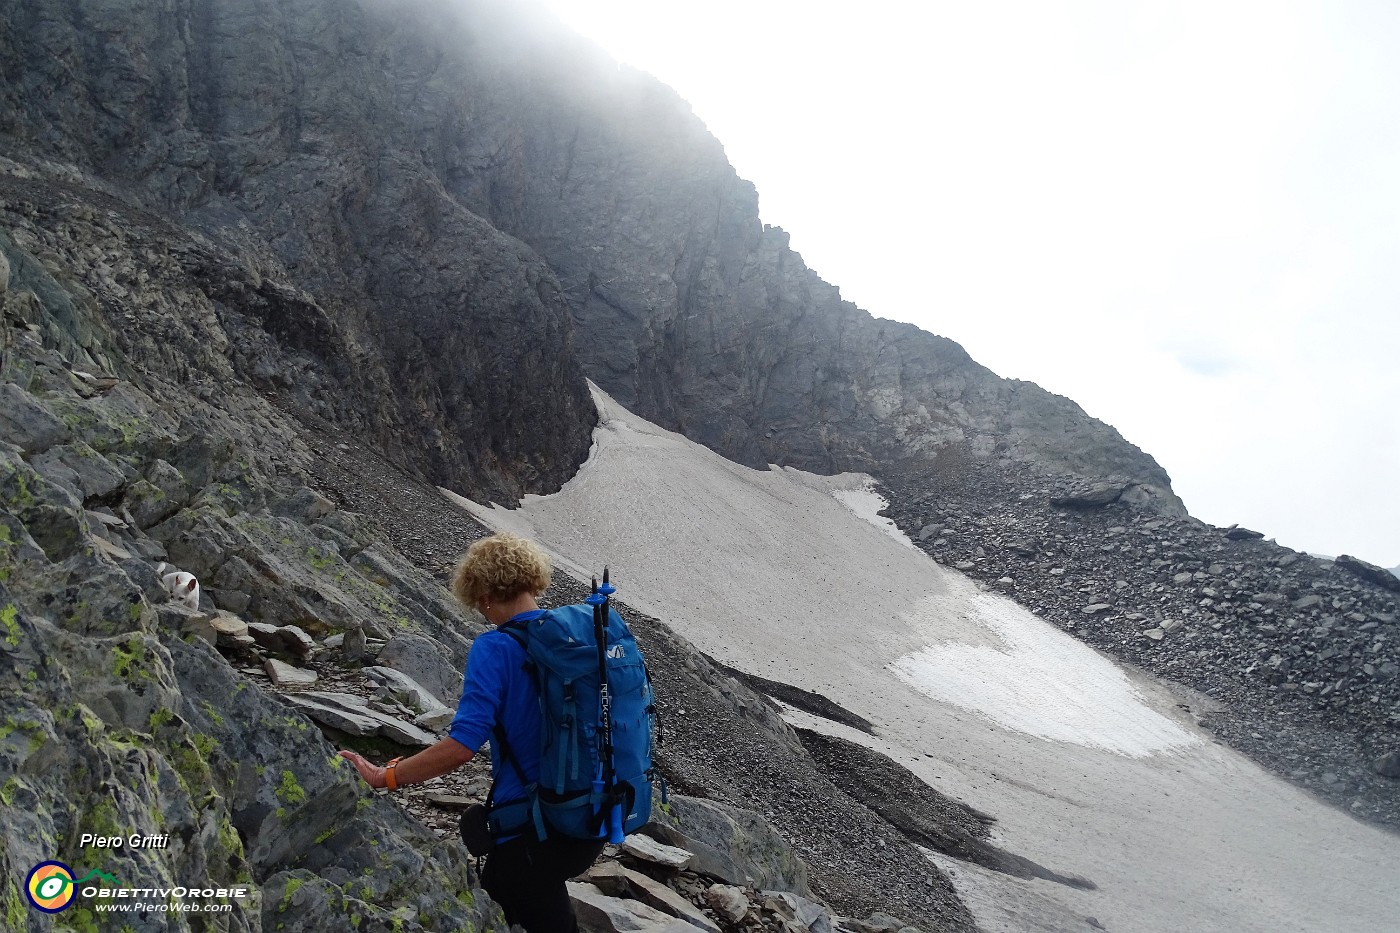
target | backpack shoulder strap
x=519, y=633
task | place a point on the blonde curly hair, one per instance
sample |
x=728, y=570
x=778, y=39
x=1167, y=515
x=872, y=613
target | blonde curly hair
x=498, y=568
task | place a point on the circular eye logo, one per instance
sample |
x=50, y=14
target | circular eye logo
x=50, y=886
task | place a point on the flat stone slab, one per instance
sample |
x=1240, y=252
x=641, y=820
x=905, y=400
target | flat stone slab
x=617, y=880
x=449, y=801
x=348, y=701
x=350, y=714
x=598, y=911
x=284, y=675
x=351, y=722
x=658, y=853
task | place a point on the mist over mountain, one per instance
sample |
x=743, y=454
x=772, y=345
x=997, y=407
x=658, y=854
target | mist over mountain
x=479, y=207
x=269, y=271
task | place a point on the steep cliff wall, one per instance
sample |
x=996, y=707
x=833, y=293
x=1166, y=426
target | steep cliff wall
x=486, y=206
x=289, y=134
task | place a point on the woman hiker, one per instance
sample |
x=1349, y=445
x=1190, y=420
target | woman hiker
x=500, y=577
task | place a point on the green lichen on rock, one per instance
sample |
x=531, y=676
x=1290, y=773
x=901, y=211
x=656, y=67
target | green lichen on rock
x=190, y=760
x=8, y=621
x=15, y=911
x=289, y=791
x=99, y=817
x=78, y=920
x=212, y=713
x=204, y=744
x=35, y=731
x=127, y=658
x=293, y=885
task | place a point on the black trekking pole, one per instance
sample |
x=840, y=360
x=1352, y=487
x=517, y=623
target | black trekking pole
x=610, y=819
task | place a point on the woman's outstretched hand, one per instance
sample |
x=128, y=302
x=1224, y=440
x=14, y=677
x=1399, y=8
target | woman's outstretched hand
x=371, y=772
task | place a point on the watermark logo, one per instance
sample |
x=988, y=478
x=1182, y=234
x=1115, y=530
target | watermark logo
x=50, y=886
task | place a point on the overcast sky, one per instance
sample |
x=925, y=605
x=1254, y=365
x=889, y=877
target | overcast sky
x=1186, y=217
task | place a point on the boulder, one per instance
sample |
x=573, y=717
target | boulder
x=113, y=551
x=1369, y=572
x=306, y=505
x=807, y=914
x=286, y=639
x=343, y=716
x=1236, y=533
x=435, y=720
x=1388, y=765
x=428, y=662
x=408, y=691
x=353, y=646
x=1092, y=497
x=728, y=901
x=730, y=844
x=230, y=631
x=883, y=923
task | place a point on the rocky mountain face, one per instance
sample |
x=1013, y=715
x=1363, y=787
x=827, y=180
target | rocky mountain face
x=420, y=325
x=473, y=208
x=1296, y=659
x=266, y=267
x=136, y=431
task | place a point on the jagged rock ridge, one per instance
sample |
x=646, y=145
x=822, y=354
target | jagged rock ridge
x=450, y=186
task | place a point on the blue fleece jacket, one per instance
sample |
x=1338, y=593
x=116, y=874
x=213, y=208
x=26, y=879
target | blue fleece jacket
x=498, y=690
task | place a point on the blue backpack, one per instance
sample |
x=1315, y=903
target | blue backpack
x=594, y=783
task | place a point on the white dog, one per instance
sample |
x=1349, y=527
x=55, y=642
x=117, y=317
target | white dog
x=182, y=586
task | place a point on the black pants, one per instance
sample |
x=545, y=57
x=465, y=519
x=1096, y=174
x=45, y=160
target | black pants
x=526, y=877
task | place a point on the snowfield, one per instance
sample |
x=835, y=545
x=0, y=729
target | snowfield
x=1093, y=769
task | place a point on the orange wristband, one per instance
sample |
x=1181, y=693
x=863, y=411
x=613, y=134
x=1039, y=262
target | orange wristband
x=391, y=779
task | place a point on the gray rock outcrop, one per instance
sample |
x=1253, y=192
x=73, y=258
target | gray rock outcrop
x=1369, y=572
